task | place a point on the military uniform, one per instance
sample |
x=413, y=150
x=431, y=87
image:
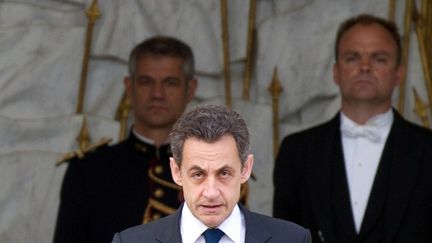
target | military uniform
x=114, y=188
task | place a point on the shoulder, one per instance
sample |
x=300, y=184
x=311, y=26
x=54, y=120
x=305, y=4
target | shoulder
x=148, y=232
x=102, y=154
x=279, y=226
x=416, y=132
x=280, y=230
x=318, y=131
x=89, y=167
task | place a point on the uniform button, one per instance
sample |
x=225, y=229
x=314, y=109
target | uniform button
x=159, y=193
x=156, y=216
x=158, y=169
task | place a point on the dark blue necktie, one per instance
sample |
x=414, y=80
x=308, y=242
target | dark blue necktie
x=213, y=235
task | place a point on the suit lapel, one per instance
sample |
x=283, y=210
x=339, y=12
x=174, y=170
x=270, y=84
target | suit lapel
x=319, y=186
x=341, y=201
x=403, y=176
x=256, y=232
x=170, y=230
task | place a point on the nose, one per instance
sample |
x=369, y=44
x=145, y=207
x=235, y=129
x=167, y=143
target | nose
x=211, y=190
x=158, y=90
x=365, y=64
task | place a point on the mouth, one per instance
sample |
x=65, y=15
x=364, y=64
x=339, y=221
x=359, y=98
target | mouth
x=364, y=79
x=156, y=107
x=212, y=208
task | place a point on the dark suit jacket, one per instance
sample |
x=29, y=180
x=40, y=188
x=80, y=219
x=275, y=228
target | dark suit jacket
x=259, y=228
x=311, y=187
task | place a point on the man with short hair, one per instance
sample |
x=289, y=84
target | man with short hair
x=363, y=176
x=130, y=183
x=211, y=160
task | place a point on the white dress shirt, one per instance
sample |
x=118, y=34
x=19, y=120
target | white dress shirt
x=191, y=228
x=362, y=154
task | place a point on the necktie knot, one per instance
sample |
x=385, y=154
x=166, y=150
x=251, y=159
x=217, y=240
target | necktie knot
x=369, y=132
x=213, y=235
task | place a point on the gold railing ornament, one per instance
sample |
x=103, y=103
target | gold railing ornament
x=249, y=50
x=122, y=115
x=83, y=138
x=392, y=10
x=275, y=89
x=226, y=54
x=424, y=46
x=405, y=50
x=421, y=109
x=93, y=14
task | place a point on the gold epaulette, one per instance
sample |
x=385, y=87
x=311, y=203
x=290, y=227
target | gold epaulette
x=163, y=209
x=163, y=182
x=80, y=153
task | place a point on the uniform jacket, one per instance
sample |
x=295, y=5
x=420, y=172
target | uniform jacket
x=259, y=229
x=109, y=190
x=311, y=187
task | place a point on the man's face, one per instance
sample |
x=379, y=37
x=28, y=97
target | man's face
x=211, y=175
x=160, y=92
x=366, y=69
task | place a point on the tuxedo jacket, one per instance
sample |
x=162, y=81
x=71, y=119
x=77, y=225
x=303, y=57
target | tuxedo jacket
x=311, y=187
x=259, y=229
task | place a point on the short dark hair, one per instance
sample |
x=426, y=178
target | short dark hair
x=367, y=19
x=163, y=46
x=209, y=123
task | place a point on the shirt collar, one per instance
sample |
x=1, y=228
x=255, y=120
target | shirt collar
x=379, y=121
x=145, y=139
x=192, y=228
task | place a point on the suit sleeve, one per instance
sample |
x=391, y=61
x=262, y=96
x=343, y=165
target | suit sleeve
x=308, y=237
x=72, y=223
x=286, y=197
x=116, y=238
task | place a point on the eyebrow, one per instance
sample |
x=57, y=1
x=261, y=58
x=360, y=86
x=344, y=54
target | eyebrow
x=378, y=52
x=196, y=167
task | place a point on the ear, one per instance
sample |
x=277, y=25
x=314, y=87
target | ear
x=128, y=87
x=175, y=172
x=247, y=168
x=336, y=74
x=192, y=86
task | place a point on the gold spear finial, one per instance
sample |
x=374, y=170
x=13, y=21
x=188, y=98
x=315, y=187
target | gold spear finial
x=275, y=89
x=93, y=13
x=421, y=109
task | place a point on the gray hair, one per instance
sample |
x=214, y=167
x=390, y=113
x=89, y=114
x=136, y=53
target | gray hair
x=209, y=123
x=163, y=46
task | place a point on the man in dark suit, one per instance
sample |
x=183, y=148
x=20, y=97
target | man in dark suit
x=130, y=183
x=211, y=160
x=363, y=176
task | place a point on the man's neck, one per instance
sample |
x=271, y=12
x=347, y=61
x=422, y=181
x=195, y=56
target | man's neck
x=360, y=114
x=159, y=136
